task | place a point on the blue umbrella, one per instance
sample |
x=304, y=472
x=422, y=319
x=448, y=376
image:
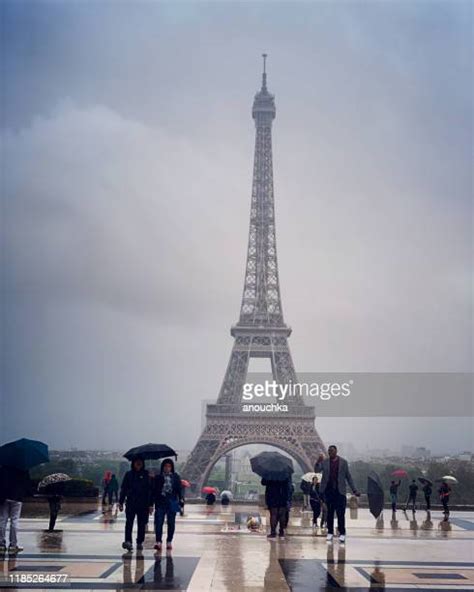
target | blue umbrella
x=24, y=454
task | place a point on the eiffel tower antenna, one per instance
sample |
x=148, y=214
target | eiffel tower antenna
x=260, y=332
x=264, y=75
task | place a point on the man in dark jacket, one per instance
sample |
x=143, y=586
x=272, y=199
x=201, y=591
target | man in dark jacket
x=277, y=497
x=336, y=472
x=15, y=484
x=135, y=493
x=167, y=495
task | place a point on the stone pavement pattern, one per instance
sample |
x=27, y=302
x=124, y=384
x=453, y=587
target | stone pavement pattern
x=211, y=553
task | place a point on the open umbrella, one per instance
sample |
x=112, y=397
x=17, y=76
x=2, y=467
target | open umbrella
x=150, y=451
x=209, y=489
x=227, y=493
x=53, y=483
x=185, y=483
x=449, y=479
x=24, y=454
x=272, y=466
x=308, y=477
x=399, y=473
x=375, y=494
x=425, y=481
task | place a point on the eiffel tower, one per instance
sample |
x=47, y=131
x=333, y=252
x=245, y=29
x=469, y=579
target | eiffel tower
x=260, y=332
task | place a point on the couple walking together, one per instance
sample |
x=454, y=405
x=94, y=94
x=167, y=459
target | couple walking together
x=141, y=494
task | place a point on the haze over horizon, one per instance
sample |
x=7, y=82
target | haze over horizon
x=127, y=165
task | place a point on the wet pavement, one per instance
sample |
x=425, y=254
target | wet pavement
x=214, y=550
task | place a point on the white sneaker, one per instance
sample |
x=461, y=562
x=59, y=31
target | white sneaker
x=329, y=538
x=342, y=538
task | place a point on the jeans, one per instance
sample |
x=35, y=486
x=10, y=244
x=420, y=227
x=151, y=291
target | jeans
x=160, y=513
x=9, y=509
x=142, y=517
x=336, y=503
x=278, y=517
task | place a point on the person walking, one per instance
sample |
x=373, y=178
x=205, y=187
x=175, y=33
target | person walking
x=113, y=489
x=413, y=490
x=277, y=498
x=427, y=491
x=15, y=484
x=135, y=492
x=336, y=473
x=167, y=496
x=315, y=501
x=444, y=492
x=394, y=494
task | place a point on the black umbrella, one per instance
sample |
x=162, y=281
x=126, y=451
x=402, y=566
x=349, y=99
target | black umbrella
x=375, y=494
x=425, y=481
x=24, y=454
x=150, y=451
x=272, y=466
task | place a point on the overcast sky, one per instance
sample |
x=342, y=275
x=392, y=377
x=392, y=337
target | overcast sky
x=127, y=158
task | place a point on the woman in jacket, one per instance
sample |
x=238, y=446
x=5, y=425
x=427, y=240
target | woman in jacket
x=167, y=496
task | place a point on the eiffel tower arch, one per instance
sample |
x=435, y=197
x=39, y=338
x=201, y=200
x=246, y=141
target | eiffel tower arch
x=260, y=332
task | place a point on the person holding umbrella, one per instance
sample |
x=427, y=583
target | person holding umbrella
x=444, y=493
x=52, y=487
x=336, y=473
x=275, y=470
x=167, y=496
x=15, y=484
x=413, y=490
x=16, y=458
x=135, y=493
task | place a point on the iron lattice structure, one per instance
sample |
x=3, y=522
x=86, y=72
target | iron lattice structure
x=260, y=332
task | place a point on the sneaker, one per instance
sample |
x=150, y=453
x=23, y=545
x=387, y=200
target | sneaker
x=281, y=535
x=342, y=538
x=127, y=546
x=139, y=546
x=158, y=546
x=271, y=536
x=329, y=538
x=14, y=549
x=169, y=546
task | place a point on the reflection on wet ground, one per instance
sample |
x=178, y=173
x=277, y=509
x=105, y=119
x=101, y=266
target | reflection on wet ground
x=214, y=550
